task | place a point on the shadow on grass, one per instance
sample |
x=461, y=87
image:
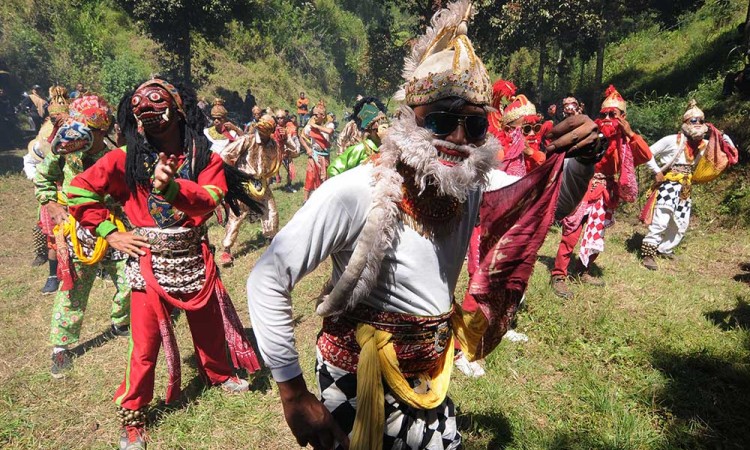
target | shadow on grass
x=95, y=342
x=705, y=399
x=739, y=317
x=568, y=440
x=494, y=424
x=251, y=245
x=10, y=163
x=575, y=268
x=548, y=261
x=633, y=244
x=190, y=393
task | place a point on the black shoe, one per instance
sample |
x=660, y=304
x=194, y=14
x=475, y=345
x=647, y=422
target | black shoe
x=120, y=330
x=50, y=287
x=39, y=260
x=62, y=362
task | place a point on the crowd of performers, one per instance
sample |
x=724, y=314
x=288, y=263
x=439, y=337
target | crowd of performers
x=465, y=170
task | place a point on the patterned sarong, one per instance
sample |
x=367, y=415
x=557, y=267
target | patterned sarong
x=405, y=427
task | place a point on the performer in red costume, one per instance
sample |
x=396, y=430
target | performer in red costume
x=169, y=183
x=614, y=181
x=522, y=137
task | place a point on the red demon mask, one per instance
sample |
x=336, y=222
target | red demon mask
x=154, y=105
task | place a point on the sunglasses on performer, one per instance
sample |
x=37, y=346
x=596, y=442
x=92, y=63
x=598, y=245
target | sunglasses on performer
x=443, y=123
x=526, y=128
x=610, y=114
x=696, y=121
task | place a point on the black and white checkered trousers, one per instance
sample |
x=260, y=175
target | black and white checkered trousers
x=406, y=428
x=668, y=197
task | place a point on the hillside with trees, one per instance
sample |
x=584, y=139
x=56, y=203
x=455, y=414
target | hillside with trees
x=658, y=53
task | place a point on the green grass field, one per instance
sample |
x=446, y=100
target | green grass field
x=654, y=360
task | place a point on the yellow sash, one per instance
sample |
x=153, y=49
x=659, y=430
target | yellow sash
x=101, y=246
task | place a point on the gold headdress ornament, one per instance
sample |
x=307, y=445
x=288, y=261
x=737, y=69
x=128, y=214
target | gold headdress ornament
x=519, y=107
x=218, y=111
x=320, y=108
x=443, y=63
x=614, y=99
x=692, y=111
x=59, y=100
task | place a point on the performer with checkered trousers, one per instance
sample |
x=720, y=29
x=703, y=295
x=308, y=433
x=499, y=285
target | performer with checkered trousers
x=674, y=163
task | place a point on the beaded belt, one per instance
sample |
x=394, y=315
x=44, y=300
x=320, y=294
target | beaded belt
x=419, y=341
x=681, y=168
x=177, y=259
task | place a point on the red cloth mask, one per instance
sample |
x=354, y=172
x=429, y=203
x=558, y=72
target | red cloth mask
x=610, y=128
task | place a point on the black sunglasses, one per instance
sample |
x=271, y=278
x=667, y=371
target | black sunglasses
x=610, y=114
x=443, y=123
x=528, y=128
x=696, y=120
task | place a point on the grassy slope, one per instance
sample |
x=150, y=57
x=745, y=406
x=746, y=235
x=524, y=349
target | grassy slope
x=654, y=360
x=659, y=70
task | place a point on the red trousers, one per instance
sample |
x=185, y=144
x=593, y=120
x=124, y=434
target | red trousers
x=316, y=174
x=565, y=250
x=207, y=329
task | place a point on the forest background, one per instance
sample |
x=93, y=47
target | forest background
x=658, y=53
x=657, y=360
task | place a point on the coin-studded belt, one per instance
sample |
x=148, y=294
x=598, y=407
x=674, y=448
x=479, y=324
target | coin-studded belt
x=419, y=341
x=176, y=257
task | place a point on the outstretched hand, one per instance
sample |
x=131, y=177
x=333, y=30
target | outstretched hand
x=164, y=172
x=310, y=421
x=127, y=242
x=578, y=136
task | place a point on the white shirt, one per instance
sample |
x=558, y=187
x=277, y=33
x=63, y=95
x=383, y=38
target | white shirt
x=418, y=276
x=667, y=151
x=217, y=145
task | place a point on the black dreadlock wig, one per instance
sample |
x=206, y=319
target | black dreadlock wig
x=358, y=107
x=141, y=156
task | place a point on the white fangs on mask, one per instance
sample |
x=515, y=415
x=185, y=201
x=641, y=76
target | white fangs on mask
x=165, y=116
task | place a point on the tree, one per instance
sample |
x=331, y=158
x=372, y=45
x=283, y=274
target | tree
x=171, y=22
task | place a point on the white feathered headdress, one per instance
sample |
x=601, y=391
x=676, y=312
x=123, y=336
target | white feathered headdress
x=443, y=64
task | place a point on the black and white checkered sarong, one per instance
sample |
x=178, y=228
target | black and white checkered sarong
x=668, y=197
x=406, y=428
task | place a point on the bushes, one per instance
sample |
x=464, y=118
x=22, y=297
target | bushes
x=121, y=74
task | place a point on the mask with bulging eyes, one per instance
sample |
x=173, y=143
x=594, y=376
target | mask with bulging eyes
x=72, y=136
x=153, y=107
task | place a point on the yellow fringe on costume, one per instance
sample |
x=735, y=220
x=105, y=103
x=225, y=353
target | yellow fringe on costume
x=378, y=360
x=258, y=193
x=100, y=248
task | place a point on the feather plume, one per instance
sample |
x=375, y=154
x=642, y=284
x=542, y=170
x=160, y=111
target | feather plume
x=502, y=89
x=610, y=90
x=447, y=20
x=692, y=104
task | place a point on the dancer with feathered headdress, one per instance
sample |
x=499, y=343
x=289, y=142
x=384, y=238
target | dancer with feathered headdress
x=397, y=229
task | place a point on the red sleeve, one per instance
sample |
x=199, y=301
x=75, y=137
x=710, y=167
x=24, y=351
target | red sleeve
x=201, y=197
x=88, y=189
x=641, y=151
